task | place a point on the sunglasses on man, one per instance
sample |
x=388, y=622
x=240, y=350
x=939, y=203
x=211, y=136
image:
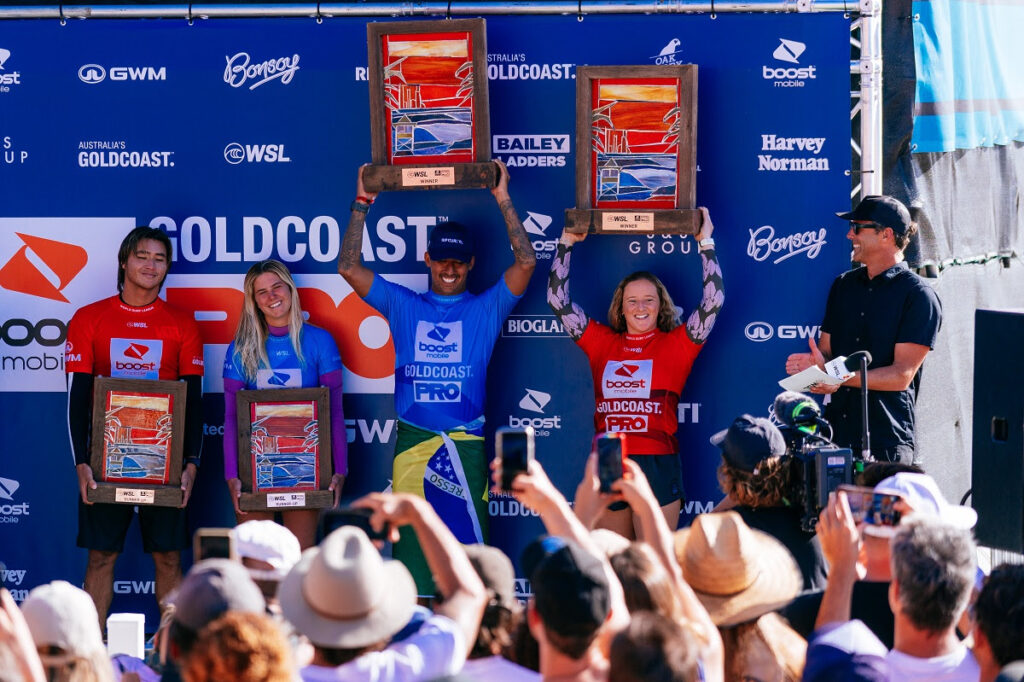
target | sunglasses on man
x=857, y=227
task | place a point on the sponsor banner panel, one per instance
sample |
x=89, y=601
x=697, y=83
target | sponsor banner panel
x=241, y=139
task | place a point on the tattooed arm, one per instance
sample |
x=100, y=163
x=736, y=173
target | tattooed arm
x=699, y=325
x=518, y=274
x=350, y=265
x=569, y=314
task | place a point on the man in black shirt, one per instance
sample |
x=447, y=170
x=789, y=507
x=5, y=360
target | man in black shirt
x=887, y=310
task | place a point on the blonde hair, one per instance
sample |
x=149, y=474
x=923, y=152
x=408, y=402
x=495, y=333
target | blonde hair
x=252, y=332
x=240, y=646
x=667, y=320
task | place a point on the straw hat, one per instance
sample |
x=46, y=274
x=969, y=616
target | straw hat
x=344, y=595
x=738, y=573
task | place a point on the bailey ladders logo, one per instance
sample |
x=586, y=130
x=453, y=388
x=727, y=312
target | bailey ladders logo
x=43, y=267
x=535, y=401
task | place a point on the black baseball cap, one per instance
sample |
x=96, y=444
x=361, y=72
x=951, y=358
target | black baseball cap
x=749, y=441
x=570, y=590
x=883, y=210
x=451, y=241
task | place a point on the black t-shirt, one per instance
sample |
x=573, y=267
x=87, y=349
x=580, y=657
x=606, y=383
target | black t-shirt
x=783, y=524
x=874, y=314
x=870, y=604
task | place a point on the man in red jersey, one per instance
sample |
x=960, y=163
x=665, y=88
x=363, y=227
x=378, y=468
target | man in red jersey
x=133, y=335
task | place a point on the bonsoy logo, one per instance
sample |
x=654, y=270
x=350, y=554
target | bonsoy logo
x=62, y=262
x=535, y=401
x=789, y=51
x=759, y=331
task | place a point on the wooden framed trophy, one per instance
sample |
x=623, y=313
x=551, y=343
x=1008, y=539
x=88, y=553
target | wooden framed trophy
x=429, y=116
x=284, y=449
x=138, y=431
x=636, y=150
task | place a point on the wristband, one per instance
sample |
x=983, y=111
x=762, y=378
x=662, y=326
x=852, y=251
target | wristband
x=364, y=199
x=706, y=243
x=359, y=206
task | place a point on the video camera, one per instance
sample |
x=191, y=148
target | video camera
x=817, y=466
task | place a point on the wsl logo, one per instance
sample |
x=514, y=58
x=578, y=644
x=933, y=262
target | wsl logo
x=236, y=153
x=669, y=53
x=135, y=359
x=438, y=342
x=789, y=52
x=630, y=379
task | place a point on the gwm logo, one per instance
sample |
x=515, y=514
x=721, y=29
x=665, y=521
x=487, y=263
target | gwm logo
x=759, y=331
x=60, y=263
x=92, y=73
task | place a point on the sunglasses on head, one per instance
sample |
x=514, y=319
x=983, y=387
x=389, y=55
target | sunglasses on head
x=857, y=227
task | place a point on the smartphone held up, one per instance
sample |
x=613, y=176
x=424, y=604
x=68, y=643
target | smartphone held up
x=515, y=448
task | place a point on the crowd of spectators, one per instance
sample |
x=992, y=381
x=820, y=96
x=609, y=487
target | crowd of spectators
x=719, y=600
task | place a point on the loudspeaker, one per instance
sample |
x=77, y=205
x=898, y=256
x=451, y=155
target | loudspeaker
x=997, y=463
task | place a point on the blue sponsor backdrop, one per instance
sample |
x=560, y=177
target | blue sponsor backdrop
x=148, y=120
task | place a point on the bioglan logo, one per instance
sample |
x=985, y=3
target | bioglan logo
x=537, y=224
x=764, y=244
x=541, y=151
x=7, y=78
x=631, y=379
x=759, y=332
x=43, y=267
x=135, y=358
x=236, y=153
x=535, y=401
x=790, y=162
x=532, y=326
x=241, y=69
x=669, y=53
x=11, y=513
x=95, y=73
x=789, y=52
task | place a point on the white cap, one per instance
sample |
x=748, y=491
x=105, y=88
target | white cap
x=924, y=497
x=270, y=542
x=60, y=614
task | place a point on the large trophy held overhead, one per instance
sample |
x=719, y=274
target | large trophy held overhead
x=636, y=150
x=429, y=122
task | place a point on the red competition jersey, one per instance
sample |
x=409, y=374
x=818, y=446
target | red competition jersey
x=637, y=382
x=110, y=338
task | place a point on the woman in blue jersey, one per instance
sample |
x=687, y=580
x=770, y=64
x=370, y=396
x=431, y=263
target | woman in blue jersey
x=275, y=348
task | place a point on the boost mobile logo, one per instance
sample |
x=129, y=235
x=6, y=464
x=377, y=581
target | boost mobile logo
x=788, y=51
x=7, y=79
x=63, y=263
x=137, y=351
x=7, y=488
x=439, y=333
x=534, y=401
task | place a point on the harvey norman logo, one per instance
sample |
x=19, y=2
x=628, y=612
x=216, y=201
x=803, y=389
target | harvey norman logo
x=789, y=52
x=95, y=73
x=794, y=156
x=236, y=153
x=759, y=332
x=242, y=70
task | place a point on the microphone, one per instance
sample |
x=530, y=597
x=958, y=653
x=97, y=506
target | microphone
x=853, y=360
x=796, y=410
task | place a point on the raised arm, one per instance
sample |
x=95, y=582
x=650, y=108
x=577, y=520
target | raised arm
x=350, y=264
x=699, y=325
x=518, y=274
x=569, y=314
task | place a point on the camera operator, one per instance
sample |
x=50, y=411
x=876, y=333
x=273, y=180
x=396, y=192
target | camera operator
x=755, y=477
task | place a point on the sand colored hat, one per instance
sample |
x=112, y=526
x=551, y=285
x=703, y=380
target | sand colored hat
x=344, y=595
x=738, y=573
x=62, y=615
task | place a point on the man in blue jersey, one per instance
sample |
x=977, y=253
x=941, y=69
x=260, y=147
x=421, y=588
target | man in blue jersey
x=443, y=342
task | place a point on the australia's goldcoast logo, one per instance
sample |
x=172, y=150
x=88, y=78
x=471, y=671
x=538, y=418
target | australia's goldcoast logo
x=242, y=70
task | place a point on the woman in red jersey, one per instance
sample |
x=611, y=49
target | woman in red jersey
x=640, y=362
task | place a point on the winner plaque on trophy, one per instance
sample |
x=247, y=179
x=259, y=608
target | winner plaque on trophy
x=138, y=429
x=284, y=449
x=429, y=120
x=636, y=150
